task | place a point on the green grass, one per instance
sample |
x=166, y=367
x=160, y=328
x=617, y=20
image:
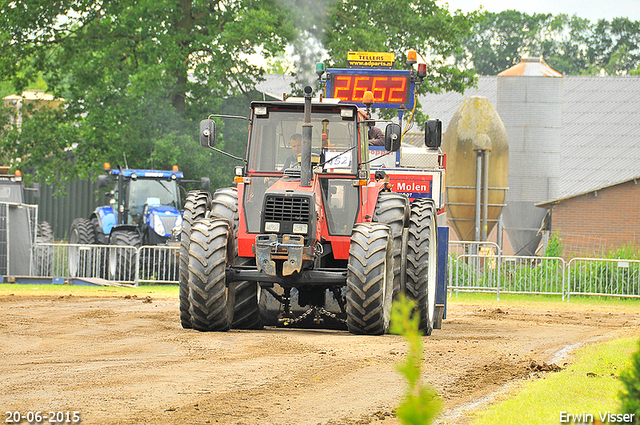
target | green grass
x=159, y=291
x=612, y=304
x=570, y=390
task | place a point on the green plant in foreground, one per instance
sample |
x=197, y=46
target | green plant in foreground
x=421, y=404
x=630, y=394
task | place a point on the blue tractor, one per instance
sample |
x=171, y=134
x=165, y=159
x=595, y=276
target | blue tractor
x=144, y=210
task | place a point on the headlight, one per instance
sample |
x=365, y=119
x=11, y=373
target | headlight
x=157, y=225
x=270, y=226
x=300, y=228
x=177, y=226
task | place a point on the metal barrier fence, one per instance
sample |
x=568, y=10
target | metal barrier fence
x=479, y=267
x=473, y=267
x=604, y=277
x=158, y=264
x=123, y=264
x=533, y=275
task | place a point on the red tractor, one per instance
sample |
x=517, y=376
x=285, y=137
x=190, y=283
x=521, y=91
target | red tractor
x=315, y=236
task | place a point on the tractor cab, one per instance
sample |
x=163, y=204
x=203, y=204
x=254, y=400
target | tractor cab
x=338, y=147
x=146, y=196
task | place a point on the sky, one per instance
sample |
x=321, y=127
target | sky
x=589, y=9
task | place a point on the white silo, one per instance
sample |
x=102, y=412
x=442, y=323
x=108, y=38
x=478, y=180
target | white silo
x=530, y=105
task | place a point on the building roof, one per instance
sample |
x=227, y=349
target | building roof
x=600, y=141
x=600, y=133
x=444, y=106
x=550, y=202
x=531, y=67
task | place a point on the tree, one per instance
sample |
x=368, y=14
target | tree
x=615, y=46
x=395, y=26
x=136, y=76
x=570, y=45
x=499, y=40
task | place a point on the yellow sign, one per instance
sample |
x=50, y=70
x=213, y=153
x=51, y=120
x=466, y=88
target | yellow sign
x=370, y=59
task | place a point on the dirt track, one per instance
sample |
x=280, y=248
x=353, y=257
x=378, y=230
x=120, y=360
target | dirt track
x=127, y=361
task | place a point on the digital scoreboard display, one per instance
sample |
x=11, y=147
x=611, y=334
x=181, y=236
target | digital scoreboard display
x=390, y=88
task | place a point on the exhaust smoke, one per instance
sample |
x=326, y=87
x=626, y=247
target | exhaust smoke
x=309, y=16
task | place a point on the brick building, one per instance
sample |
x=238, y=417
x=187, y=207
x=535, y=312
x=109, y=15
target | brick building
x=594, y=223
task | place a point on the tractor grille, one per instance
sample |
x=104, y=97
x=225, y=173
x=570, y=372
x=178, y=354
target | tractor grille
x=287, y=209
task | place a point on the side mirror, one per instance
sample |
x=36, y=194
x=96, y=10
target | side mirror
x=433, y=134
x=207, y=133
x=103, y=181
x=205, y=183
x=392, y=137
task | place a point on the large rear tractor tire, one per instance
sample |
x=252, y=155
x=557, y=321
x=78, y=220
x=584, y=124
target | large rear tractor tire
x=422, y=261
x=101, y=255
x=43, y=255
x=80, y=259
x=196, y=207
x=247, y=314
x=370, y=279
x=211, y=301
x=392, y=209
x=224, y=204
x=122, y=260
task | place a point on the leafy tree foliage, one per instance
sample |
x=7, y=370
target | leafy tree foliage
x=137, y=76
x=394, y=26
x=570, y=44
x=616, y=45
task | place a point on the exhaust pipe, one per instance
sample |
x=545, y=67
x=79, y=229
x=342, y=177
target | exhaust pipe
x=305, y=160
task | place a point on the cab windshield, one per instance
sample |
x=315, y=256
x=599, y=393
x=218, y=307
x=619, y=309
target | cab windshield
x=270, y=147
x=152, y=192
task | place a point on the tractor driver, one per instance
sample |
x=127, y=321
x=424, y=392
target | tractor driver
x=296, y=147
x=375, y=135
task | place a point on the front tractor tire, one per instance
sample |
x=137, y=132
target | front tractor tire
x=248, y=312
x=370, y=279
x=422, y=262
x=224, y=204
x=392, y=209
x=122, y=255
x=211, y=300
x=196, y=207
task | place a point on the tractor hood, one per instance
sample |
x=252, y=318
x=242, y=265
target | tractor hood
x=163, y=219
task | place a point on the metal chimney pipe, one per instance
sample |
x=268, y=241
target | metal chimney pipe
x=305, y=161
x=485, y=194
x=476, y=236
x=120, y=205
